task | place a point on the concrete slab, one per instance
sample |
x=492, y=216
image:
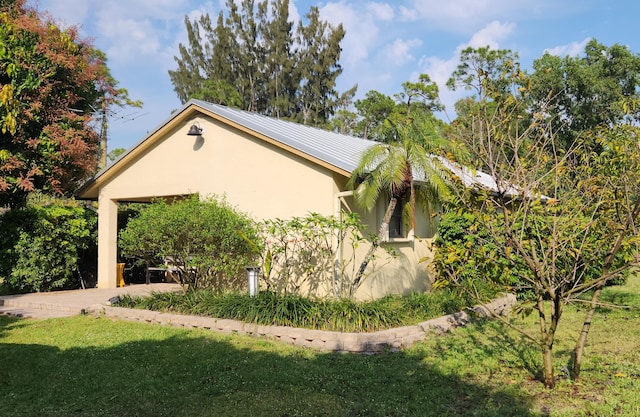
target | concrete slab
x=69, y=303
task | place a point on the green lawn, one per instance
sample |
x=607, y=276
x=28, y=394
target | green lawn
x=88, y=366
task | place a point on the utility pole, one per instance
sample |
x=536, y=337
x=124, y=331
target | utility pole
x=103, y=136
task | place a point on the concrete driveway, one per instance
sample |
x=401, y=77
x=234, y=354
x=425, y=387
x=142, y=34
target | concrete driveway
x=73, y=302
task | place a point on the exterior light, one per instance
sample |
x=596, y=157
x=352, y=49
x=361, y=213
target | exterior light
x=253, y=272
x=195, y=130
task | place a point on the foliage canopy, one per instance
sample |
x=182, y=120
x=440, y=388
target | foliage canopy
x=49, y=80
x=563, y=214
x=255, y=58
x=202, y=239
x=42, y=245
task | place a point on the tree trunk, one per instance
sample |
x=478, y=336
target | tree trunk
x=582, y=340
x=382, y=235
x=412, y=204
x=547, y=360
x=147, y=275
x=548, y=327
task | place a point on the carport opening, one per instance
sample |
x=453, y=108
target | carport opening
x=137, y=271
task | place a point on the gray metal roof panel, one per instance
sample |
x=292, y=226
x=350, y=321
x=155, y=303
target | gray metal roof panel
x=341, y=151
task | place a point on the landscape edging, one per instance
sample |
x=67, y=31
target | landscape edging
x=374, y=342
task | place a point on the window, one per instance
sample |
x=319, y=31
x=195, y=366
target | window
x=396, y=226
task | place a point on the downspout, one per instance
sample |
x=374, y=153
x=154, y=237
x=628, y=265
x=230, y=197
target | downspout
x=337, y=262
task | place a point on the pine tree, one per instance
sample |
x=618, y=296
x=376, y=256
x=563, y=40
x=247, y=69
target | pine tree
x=279, y=59
x=255, y=60
x=319, y=52
x=187, y=79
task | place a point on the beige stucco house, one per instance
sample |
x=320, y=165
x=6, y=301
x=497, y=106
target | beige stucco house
x=266, y=167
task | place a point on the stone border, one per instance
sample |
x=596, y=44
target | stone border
x=391, y=339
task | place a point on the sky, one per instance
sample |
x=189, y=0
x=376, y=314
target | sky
x=386, y=42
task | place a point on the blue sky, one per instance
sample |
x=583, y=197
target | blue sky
x=386, y=42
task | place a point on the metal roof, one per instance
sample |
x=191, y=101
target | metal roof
x=341, y=151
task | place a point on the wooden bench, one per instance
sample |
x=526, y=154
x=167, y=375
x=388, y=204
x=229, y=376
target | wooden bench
x=170, y=272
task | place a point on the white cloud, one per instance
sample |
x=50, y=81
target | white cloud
x=440, y=69
x=491, y=34
x=68, y=13
x=572, y=49
x=361, y=30
x=459, y=9
x=294, y=14
x=399, y=52
x=152, y=33
x=127, y=30
x=465, y=15
x=141, y=9
x=130, y=38
x=381, y=11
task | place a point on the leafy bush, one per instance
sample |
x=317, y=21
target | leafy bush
x=467, y=253
x=41, y=245
x=299, y=254
x=269, y=308
x=203, y=239
x=473, y=258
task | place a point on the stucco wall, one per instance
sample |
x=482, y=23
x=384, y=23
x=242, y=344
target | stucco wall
x=408, y=269
x=255, y=176
x=399, y=266
x=258, y=178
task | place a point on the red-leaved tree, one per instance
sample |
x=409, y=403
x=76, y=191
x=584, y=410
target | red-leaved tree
x=49, y=81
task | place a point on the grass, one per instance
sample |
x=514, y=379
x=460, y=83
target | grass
x=93, y=366
x=267, y=308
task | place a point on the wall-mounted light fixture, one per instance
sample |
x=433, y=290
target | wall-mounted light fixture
x=195, y=130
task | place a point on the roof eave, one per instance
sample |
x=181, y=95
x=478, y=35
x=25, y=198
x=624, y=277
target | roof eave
x=90, y=189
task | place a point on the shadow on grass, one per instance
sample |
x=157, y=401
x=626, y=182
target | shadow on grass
x=620, y=298
x=174, y=372
x=8, y=321
x=492, y=343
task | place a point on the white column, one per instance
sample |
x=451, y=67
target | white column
x=107, y=242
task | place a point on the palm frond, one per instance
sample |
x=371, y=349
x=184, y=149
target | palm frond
x=408, y=163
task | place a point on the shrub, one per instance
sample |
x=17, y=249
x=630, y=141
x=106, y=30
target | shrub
x=466, y=250
x=202, y=238
x=473, y=258
x=41, y=245
x=299, y=254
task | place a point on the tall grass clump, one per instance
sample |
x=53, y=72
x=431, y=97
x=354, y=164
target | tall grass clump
x=270, y=308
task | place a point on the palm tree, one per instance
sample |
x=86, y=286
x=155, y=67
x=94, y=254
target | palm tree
x=408, y=165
